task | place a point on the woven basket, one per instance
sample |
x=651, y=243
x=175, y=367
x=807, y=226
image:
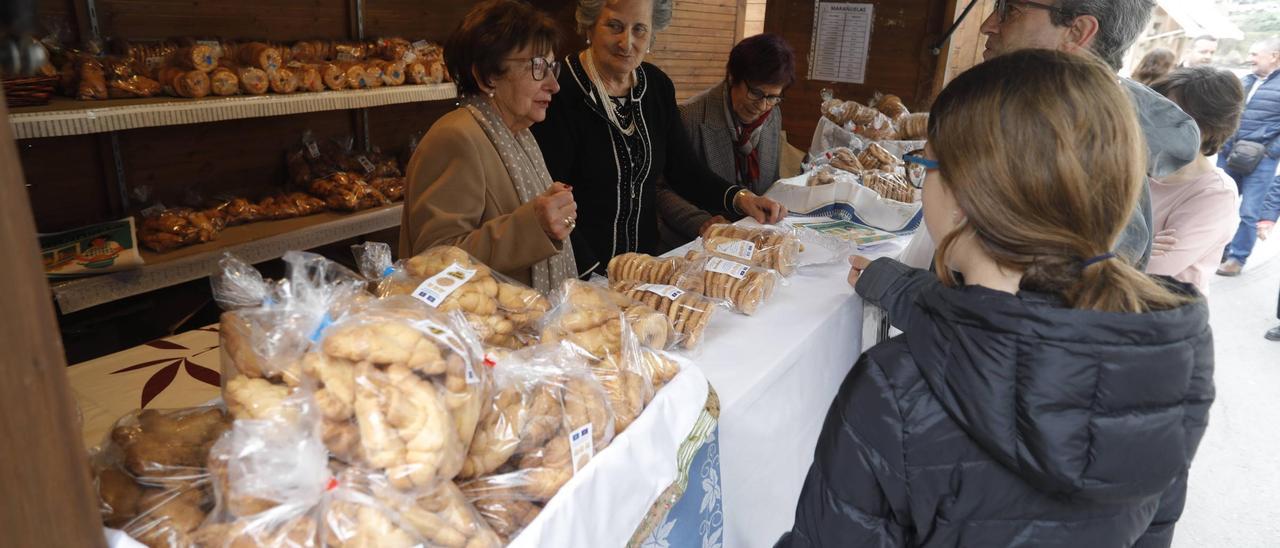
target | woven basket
x=29, y=92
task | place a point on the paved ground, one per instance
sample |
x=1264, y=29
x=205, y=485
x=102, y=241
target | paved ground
x=1234, y=494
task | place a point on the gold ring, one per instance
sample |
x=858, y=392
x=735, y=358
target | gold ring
x=570, y=223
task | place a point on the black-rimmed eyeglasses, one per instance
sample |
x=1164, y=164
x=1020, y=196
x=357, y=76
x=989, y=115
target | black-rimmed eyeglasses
x=1004, y=7
x=540, y=67
x=757, y=95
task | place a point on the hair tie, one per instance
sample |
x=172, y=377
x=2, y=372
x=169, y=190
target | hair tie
x=1090, y=262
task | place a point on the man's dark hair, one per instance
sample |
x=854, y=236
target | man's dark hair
x=763, y=59
x=1213, y=98
x=490, y=33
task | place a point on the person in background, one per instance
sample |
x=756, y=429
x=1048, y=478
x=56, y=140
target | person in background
x=1250, y=157
x=1267, y=222
x=735, y=129
x=1201, y=52
x=615, y=129
x=1045, y=393
x=1195, y=207
x=477, y=179
x=1154, y=65
x=1105, y=28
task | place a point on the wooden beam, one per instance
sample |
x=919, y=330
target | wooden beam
x=49, y=498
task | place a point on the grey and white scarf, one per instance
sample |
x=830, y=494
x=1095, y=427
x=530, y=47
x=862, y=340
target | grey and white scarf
x=523, y=159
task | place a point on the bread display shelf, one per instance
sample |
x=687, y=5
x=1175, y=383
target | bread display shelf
x=63, y=117
x=254, y=242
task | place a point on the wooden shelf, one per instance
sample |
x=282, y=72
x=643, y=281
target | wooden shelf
x=63, y=117
x=254, y=242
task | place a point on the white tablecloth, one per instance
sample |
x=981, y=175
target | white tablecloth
x=776, y=374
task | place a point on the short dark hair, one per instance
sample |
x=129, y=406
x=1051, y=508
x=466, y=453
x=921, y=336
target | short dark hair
x=490, y=33
x=1213, y=98
x=763, y=59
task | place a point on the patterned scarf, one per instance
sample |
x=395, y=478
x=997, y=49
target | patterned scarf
x=523, y=160
x=746, y=154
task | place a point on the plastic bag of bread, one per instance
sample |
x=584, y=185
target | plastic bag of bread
x=563, y=416
x=288, y=206
x=688, y=312
x=122, y=82
x=165, y=229
x=770, y=247
x=355, y=74
x=584, y=309
x=309, y=77
x=503, y=505
x=223, y=82
x=391, y=187
x=252, y=80
x=267, y=326
x=741, y=286
x=344, y=191
x=314, y=158
x=237, y=211
x=333, y=76
x=638, y=267
x=276, y=486
x=258, y=55
x=370, y=165
x=406, y=377
x=92, y=79
x=890, y=105
x=890, y=186
x=914, y=126
x=179, y=82
x=500, y=310
x=876, y=157
x=151, y=475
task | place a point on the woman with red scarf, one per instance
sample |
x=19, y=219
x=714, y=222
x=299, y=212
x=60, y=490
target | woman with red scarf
x=735, y=129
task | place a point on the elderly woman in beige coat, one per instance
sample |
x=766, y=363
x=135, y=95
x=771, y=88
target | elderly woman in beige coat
x=477, y=179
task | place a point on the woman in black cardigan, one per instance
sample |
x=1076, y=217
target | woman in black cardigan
x=612, y=154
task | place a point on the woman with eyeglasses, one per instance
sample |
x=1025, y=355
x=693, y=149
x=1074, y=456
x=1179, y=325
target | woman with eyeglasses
x=614, y=130
x=735, y=129
x=477, y=179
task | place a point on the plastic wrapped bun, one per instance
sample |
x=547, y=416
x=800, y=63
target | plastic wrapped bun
x=502, y=312
x=688, y=312
x=151, y=475
x=743, y=287
x=637, y=267
x=501, y=502
x=774, y=248
x=585, y=315
x=268, y=326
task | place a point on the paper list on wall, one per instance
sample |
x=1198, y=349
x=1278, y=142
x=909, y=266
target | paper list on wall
x=841, y=39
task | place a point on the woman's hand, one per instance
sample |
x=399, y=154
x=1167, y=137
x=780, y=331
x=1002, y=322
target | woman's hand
x=557, y=211
x=1164, y=242
x=858, y=264
x=763, y=210
x=1264, y=229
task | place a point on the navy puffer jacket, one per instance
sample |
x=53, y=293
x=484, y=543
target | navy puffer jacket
x=1002, y=420
x=1260, y=122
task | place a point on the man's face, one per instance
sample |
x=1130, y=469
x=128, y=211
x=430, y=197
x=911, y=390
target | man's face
x=1264, y=62
x=1202, y=52
x=1023, y=28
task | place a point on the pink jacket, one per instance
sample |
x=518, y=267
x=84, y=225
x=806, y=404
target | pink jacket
x=1205, y=214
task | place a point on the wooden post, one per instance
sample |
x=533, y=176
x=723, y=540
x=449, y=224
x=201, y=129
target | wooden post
x=48, y=499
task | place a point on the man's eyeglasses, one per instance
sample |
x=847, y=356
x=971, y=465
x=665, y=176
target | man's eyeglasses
x=540, y=67
x=1004, y=7
x=757, y=95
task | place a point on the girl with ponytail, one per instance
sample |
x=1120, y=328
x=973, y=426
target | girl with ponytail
x=1045, y=392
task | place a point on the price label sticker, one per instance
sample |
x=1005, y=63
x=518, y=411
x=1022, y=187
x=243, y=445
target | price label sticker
x=366, y=164
x=727, y=267
x=440, y=333
x=313, y=149
x=667, y=291
x=741, y=249
x=420, y=44
x=409, y=57
x=581, y=446
x=438, y=288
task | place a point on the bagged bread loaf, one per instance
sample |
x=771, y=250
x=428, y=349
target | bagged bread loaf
x=393, y=72
x=165, y=229
x=92, y=80
x=558, y=411
x=309, y=77
x=688, y=312
x=151, y=473
x=334, y=77
x=344, y=191
x=223, y=82
x=180, y=82
x=500, y=310
x=743, y=287
x=123, y=83
x=283, y=80
x=773, y=248
x=890, y=186
x=201, y=57
x=638, y=267
x=914, y=127
x=260, y=56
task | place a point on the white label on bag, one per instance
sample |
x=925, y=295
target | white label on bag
x=313, y=149
x=366, y=164
x=741, y=249
x=438, y=288
x=409, y=57
x=723, y=266
x=581, y=446
x=420, y=44
x=667, y=291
